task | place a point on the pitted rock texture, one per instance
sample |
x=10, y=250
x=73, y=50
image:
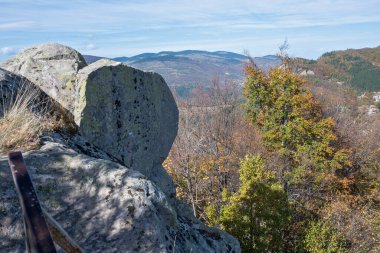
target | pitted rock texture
x=128, y=113
x=104, y=206
x=53, y=67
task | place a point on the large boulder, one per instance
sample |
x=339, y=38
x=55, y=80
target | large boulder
x=53, y=67
x=103, y=206
x=128, y=113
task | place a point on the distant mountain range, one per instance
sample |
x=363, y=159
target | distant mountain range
x=184, y=70
x=193, y=67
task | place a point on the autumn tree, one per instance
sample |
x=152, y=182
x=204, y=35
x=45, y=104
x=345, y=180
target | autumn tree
x=292, y=124
x=212, y=138
x=293, y=127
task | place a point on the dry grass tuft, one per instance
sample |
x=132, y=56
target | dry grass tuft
x=23, y=118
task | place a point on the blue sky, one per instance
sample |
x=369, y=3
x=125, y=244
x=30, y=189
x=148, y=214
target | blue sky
x=125, y=28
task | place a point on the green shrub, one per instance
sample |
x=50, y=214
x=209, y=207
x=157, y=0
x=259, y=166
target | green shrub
x=321, y=238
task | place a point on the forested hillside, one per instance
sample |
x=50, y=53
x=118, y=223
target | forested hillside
x=359, y=68
x=290, y=167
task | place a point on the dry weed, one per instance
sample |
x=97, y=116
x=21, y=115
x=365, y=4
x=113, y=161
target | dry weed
x=23, y=117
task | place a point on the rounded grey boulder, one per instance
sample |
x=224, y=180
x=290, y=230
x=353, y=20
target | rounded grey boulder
x=53, y=67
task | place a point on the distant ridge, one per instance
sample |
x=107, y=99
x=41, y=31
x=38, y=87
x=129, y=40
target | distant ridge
x=90, y=58
x=170, y=55
x=359, y=68
x=196, y=67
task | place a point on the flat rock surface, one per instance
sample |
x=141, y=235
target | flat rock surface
x=104, y=206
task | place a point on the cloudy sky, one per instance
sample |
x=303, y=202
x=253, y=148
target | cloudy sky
x=125, y=28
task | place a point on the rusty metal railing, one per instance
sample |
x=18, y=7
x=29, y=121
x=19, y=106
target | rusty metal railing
x=40, y=228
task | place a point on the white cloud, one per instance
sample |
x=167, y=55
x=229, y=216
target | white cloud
x=103, y=17
x=7, y=51
x=90, y=46
x=16, y=25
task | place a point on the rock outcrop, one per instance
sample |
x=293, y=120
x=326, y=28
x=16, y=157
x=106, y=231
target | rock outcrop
x=128, y=113
x=105, y=184
x=104, y=206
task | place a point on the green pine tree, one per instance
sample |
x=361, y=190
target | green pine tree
x=258, y=213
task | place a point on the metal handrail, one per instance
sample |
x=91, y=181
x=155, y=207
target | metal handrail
x=40, y=228
x=38, y=238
